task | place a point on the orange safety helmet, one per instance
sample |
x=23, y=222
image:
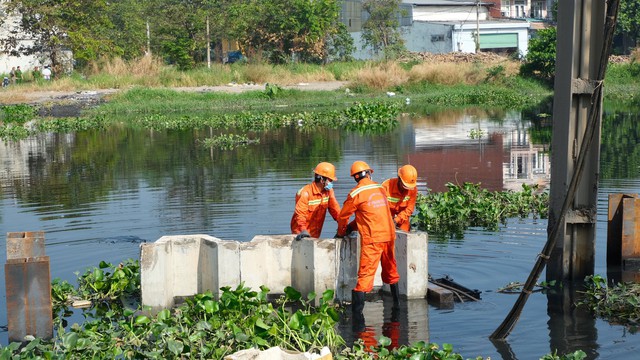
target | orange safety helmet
x=327, y=170
x=409, y=176
x=359, y=166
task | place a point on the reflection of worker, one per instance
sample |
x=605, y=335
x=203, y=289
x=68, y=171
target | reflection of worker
x=312, y=202
x=368, y=201
x=402, y=194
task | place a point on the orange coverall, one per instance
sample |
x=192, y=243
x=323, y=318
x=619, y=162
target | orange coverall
x=312, y=203
x=368, y=201
x=401, y=203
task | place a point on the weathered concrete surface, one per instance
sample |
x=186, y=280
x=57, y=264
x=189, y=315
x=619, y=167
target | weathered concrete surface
x=184, y=265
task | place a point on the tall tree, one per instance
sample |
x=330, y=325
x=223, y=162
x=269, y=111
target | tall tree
x=53, y=27
x=381, y=30
x=129, y=31
x=282, y=30
x=180, y=31
x=628, y=24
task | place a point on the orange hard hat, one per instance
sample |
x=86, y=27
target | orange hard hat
x=327, y=170
x=409, y=176
x=359, y=166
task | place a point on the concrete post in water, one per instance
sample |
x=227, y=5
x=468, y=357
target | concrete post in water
x=579, y=48
x=28, y=286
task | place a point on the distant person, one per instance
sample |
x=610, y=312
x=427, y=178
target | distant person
x=402, y=194
x=5, y=82
x=12, y=75
x=46, y=73
x=37, y=75
x=368, y=201
x=18, y=75
x=313, y=201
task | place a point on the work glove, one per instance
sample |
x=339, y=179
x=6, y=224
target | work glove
x=303, y=234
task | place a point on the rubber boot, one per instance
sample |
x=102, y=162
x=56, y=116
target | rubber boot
x=357, y=305
x=395, y=292
x=357, y=302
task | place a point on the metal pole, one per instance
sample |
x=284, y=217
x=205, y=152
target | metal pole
x=477, y=26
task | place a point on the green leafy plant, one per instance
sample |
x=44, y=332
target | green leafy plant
x=449, y=214
x=617, y=304
x=17, y=114
x=228, y=141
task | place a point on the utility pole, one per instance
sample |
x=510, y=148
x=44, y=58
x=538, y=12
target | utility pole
x=477, y=26
x=148, y=39
x=208, y=45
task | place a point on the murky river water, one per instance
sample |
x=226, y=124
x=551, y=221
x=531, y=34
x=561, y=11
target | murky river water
x=98, y=196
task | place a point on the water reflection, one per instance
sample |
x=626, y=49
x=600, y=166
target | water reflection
x=98, y=195
x=497, y=155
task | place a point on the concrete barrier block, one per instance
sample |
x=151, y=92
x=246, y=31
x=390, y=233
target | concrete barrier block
x=156, y=284
x=225, y=266
x=412, y=263
x=348, y=260
x=313, y=266
x=266, y=260
x=181, y=266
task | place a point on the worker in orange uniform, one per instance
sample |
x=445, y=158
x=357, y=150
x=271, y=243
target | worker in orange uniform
x=313, y=201
x=402, y=194
x=368, y=200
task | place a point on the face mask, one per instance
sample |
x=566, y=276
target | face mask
x=328, y=186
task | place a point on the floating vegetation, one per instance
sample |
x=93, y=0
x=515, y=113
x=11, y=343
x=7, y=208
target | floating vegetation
x=617, y=304
x=449, y=214
x=228, y=141
x=69, y=125
x=366, y=118
x=370, y=117
x=17, y=114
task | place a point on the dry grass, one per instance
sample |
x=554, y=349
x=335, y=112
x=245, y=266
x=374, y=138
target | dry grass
x=381, y=76
x=141, y=67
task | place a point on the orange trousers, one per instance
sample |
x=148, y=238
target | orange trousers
x=370, y=256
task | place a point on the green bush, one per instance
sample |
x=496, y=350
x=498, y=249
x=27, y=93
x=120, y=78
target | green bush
x=540, y=62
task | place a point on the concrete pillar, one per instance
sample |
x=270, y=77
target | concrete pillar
x=579, y=46
x=28, y=286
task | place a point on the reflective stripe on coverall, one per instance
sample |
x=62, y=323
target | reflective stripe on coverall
x=312, y=203
x=368, y=201
x=400, y=204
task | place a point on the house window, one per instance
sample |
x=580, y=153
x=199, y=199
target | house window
x=436, y=38
x=505, y=8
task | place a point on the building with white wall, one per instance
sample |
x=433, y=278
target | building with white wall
x=442, y=26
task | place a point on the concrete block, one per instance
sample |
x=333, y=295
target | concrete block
x=348, y=260
x=412, y=262
x=29, y=309
x=181, y=266
x=266, y=260
x=225, y=267
x=313, y=266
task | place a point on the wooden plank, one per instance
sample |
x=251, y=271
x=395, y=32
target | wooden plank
x=442, y=297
